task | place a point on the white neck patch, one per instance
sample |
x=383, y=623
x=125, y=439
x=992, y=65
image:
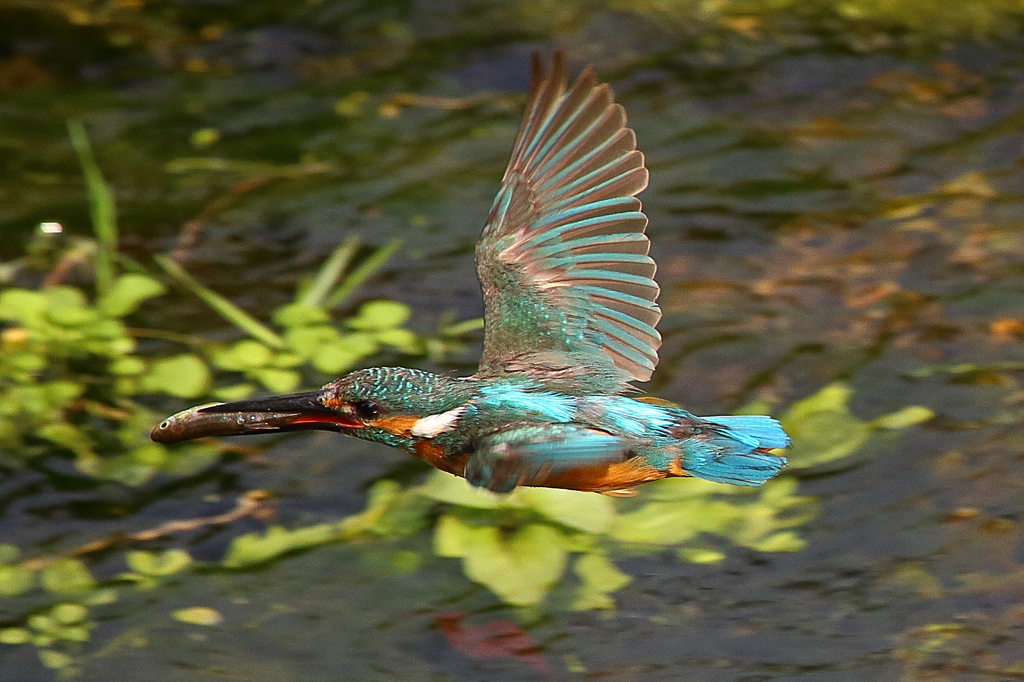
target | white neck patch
x=432, y=425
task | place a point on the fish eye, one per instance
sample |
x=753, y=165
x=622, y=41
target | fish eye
x=166, y=424
x=366, y=410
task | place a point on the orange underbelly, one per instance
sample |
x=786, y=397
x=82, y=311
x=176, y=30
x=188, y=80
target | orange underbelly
x=604, y=478
x=599, y=478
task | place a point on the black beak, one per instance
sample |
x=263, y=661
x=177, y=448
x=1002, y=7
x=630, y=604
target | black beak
x=296, y=412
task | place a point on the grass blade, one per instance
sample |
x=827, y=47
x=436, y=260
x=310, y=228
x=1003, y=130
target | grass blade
x=228, y=310
x=329, y=273
x=362, y=273
x=464, y=327
x=102, y=209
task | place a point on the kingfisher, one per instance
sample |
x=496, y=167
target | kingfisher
x=570, y=309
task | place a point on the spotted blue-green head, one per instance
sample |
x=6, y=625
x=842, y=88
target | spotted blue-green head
x=367, y=403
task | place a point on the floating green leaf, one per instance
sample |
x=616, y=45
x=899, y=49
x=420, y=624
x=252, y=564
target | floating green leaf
x=27, y=362
x=786, y=541
x=8, y=553
x=300, y=315
x=700, y=555
x=822, y=427
x=444, y=487
x=54, y=659
x=42, y=623
x=246, y=354
x=75, y=633
x=183, y=376
x=380, y=315
x=15, y=580
x=123, y=469
x=199, y=615
x=21, y=305
x=128, y=292
x=158, y=564
x=100, y=597
x=360, y=343
x=286, y=360
x=69, y=614
x=67, y=575
x=599, y=577
x=15, y=636
x=670, y=523
x=277, y=380
x=63, y=434
x=307, y=341
x=824, y=430
x=583, y=511
x=233, y=393
x=908, y=416
x=334, y=358
x=150, y=454
x=402, y=339
x=60, y=393
x=253, y=548
x=191, y=459
x=127, y=366
x=67, y=307
x=520, y=568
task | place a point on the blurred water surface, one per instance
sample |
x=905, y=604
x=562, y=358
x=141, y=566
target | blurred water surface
x=833, y=197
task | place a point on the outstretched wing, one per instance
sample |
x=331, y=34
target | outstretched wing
x=536, y=453
x=563, y=258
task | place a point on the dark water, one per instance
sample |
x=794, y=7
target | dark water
x=828, y=201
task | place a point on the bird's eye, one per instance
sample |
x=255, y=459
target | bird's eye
x=366, y=410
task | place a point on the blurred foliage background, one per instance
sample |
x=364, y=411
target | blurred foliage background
x=203, y=201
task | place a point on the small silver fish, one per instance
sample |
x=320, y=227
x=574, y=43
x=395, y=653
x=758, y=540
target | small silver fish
x=252, y=416
x=194, y=423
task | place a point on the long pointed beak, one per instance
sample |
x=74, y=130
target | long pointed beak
x=296, y=412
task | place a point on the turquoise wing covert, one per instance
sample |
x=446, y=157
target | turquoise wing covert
x=568, y=285
x=529, y=454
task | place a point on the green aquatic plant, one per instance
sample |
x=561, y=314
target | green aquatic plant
x=824, y=430
x=62, y=619
x=306, y=336
x=71, y=372
x=71, y=375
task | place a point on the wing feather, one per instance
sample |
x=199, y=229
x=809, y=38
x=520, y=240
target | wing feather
x=531, y=454
x=563, y=258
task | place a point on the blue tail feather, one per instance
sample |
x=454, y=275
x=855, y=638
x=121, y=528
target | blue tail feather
x=738, y=468
x=734, y=454
x=766, y=431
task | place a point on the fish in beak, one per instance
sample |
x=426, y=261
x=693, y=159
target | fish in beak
x=296, y=412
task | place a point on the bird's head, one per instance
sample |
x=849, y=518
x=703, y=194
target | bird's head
x=384, y=404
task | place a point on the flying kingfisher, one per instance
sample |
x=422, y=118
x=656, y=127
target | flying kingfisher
x=569, y=321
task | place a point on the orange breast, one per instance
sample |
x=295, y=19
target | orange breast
x=435, y=457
